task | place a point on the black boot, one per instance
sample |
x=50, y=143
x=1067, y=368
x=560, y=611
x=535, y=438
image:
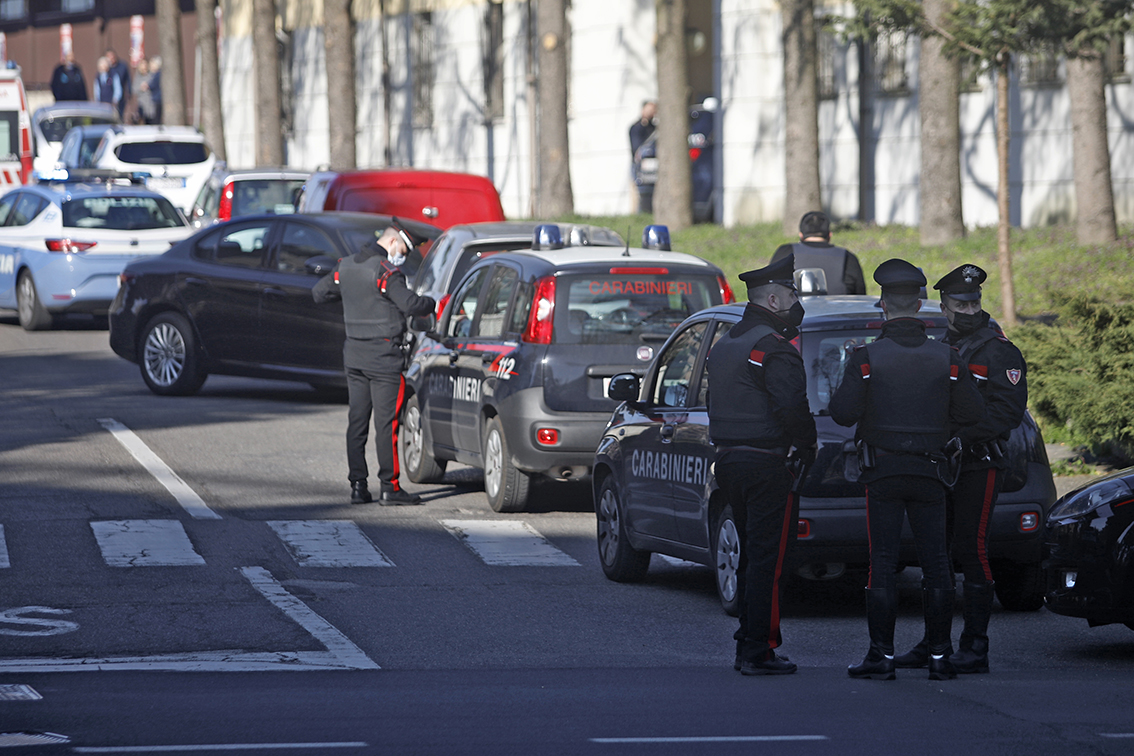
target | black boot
x=396, y=497
x=916, y=658
x=881, y=613
x=972, y=656
x=938, y=628
x=359, y=493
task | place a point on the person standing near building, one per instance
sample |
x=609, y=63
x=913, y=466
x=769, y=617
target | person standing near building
x=67, y=82
x=642, y=136
x=814, y=250
x=122, y=72
x=146, y=108
x=758, y=411
x=107, y=86
x=155, y=86
x=1001, y=376
x=905, y=392
x=376, y=302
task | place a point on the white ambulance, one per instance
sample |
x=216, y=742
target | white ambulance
x=15, y=131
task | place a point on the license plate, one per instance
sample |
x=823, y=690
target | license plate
x=165, y=182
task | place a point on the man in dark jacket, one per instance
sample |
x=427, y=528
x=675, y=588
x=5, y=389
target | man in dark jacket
x=758, y=412
x=121, y=71
x=814, y=250
x=1001, y=376
x=376, y=302
x=906, y=392
x=67, y=82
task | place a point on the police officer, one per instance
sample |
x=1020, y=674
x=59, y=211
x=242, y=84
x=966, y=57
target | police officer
x=814, y=250
x=376, y=302
x=905, y=391
x=757, y=412
x=1001, y=376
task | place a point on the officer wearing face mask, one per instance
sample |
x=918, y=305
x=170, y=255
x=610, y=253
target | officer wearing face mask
x=376, y=302
x=1001, y=376
x=758, y=412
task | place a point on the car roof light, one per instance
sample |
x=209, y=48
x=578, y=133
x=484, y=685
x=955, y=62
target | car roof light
x=542, y=315
x=656, y=237
x=547, y=236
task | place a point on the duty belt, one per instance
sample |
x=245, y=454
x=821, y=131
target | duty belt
x=777, y=451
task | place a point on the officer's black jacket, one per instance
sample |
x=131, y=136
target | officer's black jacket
x=852, y=281
x=778, y=375
x=1002, y=377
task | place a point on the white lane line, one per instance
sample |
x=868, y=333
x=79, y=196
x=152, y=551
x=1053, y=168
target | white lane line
x=1116, y=734
x=715, y=739
x=329, y=543
x=3, y=550
x=335, y=642
x=185, y=496
x=217, y=747
x=508, y=543
x=145, y=543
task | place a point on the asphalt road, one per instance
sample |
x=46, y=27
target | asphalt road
x=186, y=575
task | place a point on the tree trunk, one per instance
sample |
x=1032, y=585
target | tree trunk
x=1094, y=192
x=212, y=119
x=269, y=125
x=1003, y=241
x=555, y=196
x=168, y=14
x=938, y=94
x=338, y=40
x=673, y=191
x=801, y=114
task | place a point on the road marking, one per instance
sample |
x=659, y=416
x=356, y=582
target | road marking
x=185, y=496
x=341, y=654
x=508, y=543
x=9, y=739
x=715, y=739
x=1116, y=734
x=145, y=543
x=50, y=627
x=217, y=747
x=19, y=693
x=3, y=550
x=329, y=543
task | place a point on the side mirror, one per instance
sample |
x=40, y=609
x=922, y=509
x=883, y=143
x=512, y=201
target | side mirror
x=624, y=387
x=320, y=265
x=424, y=323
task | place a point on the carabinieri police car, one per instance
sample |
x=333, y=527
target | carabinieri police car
x=514, y=379
x=653, y=470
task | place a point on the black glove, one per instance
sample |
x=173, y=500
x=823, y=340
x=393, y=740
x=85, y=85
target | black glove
x=805, y=455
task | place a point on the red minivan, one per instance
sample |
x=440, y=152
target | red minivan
x=440, y=198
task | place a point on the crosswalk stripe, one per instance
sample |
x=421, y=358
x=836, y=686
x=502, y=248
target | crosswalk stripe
x=329, y=543
x=145, y=543
x=508, y=543
x=3, y=550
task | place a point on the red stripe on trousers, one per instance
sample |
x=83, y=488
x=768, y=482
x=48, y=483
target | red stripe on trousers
x=394, y=433
x=774, y=628
x=982, y=529
x=869, y=546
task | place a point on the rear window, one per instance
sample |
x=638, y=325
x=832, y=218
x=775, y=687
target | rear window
x=622, y=308
x=162, y=153
x=54, y=129
x=255, y=196
x=121, y=213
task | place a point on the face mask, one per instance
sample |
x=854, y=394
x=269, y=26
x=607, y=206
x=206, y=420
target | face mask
x=395, y=260
x=964, y=323
x=793, y=315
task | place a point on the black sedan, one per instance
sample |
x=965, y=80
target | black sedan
x=1090, y=538
x=235, y=299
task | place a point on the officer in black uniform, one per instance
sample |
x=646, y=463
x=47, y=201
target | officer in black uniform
x=814, y=250
x=757, y=412
x=905, y=391
x=1001, y=376
x=376, y=302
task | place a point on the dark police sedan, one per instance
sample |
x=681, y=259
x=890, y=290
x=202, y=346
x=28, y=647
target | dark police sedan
x=653, y=477
x=1090, y=535
x=235, y=299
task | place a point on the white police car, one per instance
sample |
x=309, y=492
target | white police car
x=514, y=380
x=653, y=476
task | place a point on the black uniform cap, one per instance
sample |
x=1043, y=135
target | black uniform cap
x=780, y=272
x=962, y=283
x=409, y=237
x=899, y=277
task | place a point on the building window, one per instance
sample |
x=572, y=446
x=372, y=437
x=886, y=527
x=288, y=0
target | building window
x=1040, y=68
x=890, y=63
x=77, y=6
x=13, y=10
x=828, y=47
x=423, y=37
x=1115, y=60
x=494, y=60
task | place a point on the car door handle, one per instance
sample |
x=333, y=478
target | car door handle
x=488, y=358
x=196, y=281
x=274, y=291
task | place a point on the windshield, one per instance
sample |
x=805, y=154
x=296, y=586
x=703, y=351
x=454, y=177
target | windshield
x=255, y=196
x=162, y=153
x=625, y=308
x=55, y=128
x=121, y=213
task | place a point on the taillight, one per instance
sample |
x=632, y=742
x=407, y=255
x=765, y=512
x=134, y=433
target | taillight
x=67, y=245
x=726, y=290
x=694, y=153
x=224, y=212
x=441, y=306
x=542, y=314
x=547, y=436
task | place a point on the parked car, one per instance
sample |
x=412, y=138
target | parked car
x=514, y=380
x=63, y=246
x=1090, y=537
x=229, y=194
x=436, y=197
x=177, y=158
x=51, y=123
x=235, y=299
x=653, y=469
x=77, y=150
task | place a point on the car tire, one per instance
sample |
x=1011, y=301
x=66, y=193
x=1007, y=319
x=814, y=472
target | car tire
x=726, y=560
x=168, y=357
x=1019, y=587
x=620, y=561
x=417, y=459
x=506, y=487
x=33, y=315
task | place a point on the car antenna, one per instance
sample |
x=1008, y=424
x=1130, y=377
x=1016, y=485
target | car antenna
x=626, y=252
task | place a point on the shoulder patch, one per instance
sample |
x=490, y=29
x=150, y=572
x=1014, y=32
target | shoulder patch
x=1014, y=375
x=756, y=357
